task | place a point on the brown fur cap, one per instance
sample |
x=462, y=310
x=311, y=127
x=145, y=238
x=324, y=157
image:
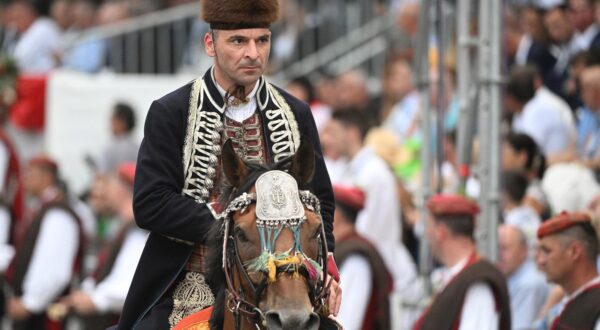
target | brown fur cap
x=239, y=14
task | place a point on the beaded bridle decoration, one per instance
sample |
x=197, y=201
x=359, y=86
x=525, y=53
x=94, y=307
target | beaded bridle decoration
x=279, y=205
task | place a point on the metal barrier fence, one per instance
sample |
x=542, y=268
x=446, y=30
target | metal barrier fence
x=168, y=41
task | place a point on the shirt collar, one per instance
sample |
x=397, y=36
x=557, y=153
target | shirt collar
x=223, y=92
x=594, y=281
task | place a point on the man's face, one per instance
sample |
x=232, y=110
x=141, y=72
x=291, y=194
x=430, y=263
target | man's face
x=34, y=180
x=511, y=159
x=581, y=14
x=513, y=251
x=334, y=139
x=552, y=259
x=241, y=56
x=559, y=27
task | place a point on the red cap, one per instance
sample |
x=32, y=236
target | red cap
x=44, y=161
x=126, y=172
x=561, y=222
x=448, y=205
x=351, y=197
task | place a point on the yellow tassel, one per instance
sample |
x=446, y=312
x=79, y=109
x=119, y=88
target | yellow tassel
x=272, y=269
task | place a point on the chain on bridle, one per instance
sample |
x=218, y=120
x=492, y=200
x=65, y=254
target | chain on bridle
x=269, y=263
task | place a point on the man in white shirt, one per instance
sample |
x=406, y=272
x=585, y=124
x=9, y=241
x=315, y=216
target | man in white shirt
x=39, y=39
x=540, y=113
x=379, y=221
x=567, y=254
x=366, y=281
x=103, y=293
x=582, y=15
x=49, y=252
x=466, y=277
x=527, y=287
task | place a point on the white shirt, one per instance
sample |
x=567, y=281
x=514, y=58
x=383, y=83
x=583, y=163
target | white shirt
x=584, y=39
x=356, y=279
x=523, y=49
x=241, y=111
x=528, y=290
x=109, y=295
x=51, y=265
x=36, y=48
x=403, y=119
x=6, y=250
x=548, y=120
x=379, y=221
x=479, y=307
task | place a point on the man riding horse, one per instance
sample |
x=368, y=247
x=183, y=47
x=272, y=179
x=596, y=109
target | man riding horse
x=179, y=178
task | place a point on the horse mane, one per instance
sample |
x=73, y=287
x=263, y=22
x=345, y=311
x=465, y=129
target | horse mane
x=215, y=276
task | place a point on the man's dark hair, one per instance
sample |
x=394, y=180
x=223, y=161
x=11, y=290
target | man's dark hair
x=459, y=225
x=521, y=83
x=514, y=184
x=349, y=213
x=124, y=112
x=584, y=234
x=352, y=117
x=522, y=142
x=307, y=85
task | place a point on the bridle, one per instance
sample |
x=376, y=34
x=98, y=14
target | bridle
x=236, y=301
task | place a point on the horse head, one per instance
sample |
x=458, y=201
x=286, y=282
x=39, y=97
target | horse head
x=272, y=245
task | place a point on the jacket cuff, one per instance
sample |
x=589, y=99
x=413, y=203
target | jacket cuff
x=332, y=268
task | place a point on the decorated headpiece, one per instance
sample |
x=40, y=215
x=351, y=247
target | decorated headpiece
x=452, y=205
x=564, y=221
x=239, y=14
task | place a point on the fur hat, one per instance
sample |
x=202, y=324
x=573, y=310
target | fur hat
x=239, y=14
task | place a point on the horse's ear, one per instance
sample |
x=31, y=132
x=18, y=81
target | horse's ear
x=234, y=168
x=303, y=161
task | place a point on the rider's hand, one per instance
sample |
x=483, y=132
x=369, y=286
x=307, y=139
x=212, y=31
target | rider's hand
x=335, y=297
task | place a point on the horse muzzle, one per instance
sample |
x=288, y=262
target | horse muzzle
x=292, y=320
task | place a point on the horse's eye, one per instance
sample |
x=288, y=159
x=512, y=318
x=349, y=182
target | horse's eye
x=317, y=232
x=240, y=235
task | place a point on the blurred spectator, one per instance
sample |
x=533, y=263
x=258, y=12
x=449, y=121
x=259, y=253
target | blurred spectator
x=303, y=89
x=400, y=106
x=527, y=287
x=87, y=56
x=588, y=125
x=124, y=145
x=49, y=253
x=516, y=212
x=111, y=12
x=564, y=44
x=484, y=301
x=403, y=38
x=39, y=39
x=366, y=281
x=380, y=220
x=102, y=294
x=60, y=11
x=351, y=92
x=582, y=14
x=567, y=254
x=540, y=113
x=521, y=153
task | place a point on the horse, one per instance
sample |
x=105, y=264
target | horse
x=267, y=259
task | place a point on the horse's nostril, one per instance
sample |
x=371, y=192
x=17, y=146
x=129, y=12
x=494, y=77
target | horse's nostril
x=292, y=320
x=313, y=322
x=273, y=321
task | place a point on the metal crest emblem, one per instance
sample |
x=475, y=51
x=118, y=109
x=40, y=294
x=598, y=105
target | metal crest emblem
x=278, y=198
